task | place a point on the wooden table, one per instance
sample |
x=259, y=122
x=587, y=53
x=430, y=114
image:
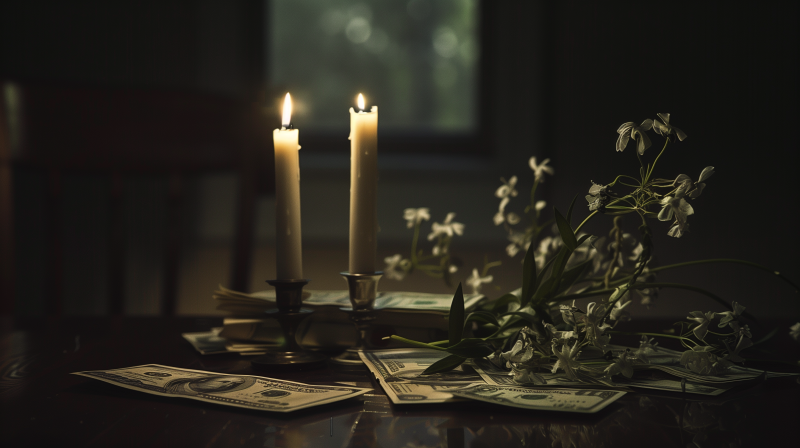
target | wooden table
x=42, y=405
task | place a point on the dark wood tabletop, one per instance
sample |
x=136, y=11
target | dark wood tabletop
x=43, y=405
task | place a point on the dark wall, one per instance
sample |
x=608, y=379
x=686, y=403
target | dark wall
x=727, y=72
x=201, y=45
x=566, y=75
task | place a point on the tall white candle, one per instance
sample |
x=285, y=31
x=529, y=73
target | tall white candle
x=363, y=188
x=289, y=255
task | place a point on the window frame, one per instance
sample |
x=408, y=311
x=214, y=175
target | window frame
x=473, y=143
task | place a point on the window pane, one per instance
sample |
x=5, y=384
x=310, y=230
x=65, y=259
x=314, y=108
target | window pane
x=415, y=59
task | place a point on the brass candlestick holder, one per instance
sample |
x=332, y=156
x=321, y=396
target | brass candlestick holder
x=363, y=291
x=290, y=355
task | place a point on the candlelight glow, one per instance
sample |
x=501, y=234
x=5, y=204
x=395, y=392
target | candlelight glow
x=287, y=111
x=361, y=101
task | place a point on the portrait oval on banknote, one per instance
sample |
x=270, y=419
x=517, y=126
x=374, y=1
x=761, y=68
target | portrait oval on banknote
x=208, y=385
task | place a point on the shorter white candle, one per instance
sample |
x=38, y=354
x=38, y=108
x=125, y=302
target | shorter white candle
x=289, y=257
x=363, y=189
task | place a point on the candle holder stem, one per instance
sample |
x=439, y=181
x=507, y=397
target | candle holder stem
x=289, y=355
x=363, y=290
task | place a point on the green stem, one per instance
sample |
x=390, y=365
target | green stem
x=414, y=241
x=415, y=343
x=653, y=166
x=660, y=335
x=729, y=260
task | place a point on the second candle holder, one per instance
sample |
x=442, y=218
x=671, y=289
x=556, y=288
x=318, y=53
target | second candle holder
x=290, y=355
x=363, y=291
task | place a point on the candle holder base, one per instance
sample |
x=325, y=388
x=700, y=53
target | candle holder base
x=290, y=355
x=363, y=291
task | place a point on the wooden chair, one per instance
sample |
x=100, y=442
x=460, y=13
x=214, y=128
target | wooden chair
x=120, y=133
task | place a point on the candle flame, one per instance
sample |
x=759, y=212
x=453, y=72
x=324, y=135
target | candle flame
x=361, y=101
x=287, y=111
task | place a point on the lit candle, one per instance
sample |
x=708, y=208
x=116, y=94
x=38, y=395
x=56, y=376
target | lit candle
x=363, y=188
x=287, y=198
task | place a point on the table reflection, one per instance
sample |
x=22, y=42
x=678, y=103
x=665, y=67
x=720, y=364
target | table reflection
x=661, y=420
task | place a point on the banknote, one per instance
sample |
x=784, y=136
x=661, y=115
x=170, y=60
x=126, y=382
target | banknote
x=496, y=376
x=244, y=391
x=399, y=372
x=587, y=401
x=398, y=301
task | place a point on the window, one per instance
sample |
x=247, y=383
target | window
x=417, y=60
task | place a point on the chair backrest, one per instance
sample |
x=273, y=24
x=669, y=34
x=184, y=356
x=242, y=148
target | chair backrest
x=120, y=133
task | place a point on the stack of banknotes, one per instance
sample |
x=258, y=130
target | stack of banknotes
x=399, y=372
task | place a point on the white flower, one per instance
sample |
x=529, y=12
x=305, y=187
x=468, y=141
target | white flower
x=665, y=128
x=646, y=346
x=501, y=217
x=526, y=376
x=693, y=189
x=595, y=313
x=618, y=313
x=416, y=215
x=743, y=343
x=700, y=360
x=677, y=206
x=703, y=320
x=392, y=264
x=729, y=317
x=567, y=313
x=540, y=205
x=794, y=332
x=448, y=227
x=539, y=170
x=507, y=189
x=519, y=240
x=476, y=281
x=623, y=365
x=567, y=360
x=560, y=336
x=630, y=130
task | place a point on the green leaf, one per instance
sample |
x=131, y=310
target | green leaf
x=558, y=269
x=527, y=316
x=445, y=364
x=481, y=316
x=544, y=270
x=456, y=317
x=528, y=276
x=569, y=212
x=572, y=275
x=565, y=230
x=504, y=301
x=471, y=348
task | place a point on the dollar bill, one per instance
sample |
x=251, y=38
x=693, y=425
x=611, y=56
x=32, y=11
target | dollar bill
x=587, y=401
x=207, y=342
x=399, y=372
x=243, y=391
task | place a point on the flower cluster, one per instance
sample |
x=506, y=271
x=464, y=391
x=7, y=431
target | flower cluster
x=539, y=330
x=439, y=263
